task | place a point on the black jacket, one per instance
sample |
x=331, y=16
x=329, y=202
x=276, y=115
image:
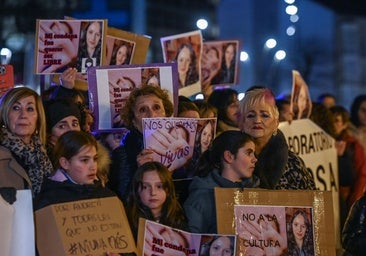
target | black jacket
x=124, y=164
x=54, y=192
x=354, y=230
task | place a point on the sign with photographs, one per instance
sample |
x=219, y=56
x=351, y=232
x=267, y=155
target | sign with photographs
x=155, y=239
x=69, y=43
x=301, y=104
x=220, y=63
x=276, y=222
x=185, y=50
x=110, y=87
x=124, y=48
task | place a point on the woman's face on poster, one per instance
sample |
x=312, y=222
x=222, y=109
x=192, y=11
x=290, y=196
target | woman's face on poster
x=153, y=81
x=221, y=247
x=121, y=55
x=184, y=59
x=210, y=63
x=206, y=137
x=229, y=53
x=302, y=98
x=93, y=35
x=299, y=227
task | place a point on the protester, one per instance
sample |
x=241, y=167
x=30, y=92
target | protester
x=146, y=101
x=358, y=118
x=24, y=163
x=229, y=163
x=206, y=110
x=61, y=116
x=75, y=177
x=277, y=166
x=327, y=99
x=352, y=178
x=354, y=231
x=187, y=108
x=152, y=197
x=227, y=104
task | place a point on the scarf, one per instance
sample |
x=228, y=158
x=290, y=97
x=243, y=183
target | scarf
x=32, y=157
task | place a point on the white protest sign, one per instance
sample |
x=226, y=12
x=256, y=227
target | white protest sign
x=317, y=149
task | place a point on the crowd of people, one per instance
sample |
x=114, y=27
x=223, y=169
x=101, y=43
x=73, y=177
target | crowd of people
x=47, y=145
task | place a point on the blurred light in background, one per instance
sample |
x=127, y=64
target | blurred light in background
x=202, y=24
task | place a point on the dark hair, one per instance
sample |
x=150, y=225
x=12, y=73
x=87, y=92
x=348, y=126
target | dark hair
x=322, y=96
x=127, y=112
x=355, y=106
x=206, y=247
x=172, y=213
x=307, y=246
x=199, y=133
x=341, y=111
x=230, y=140
x=221, y=99
x=204, y=108
x=70, y=143
x=192, y=73
x=115, y=51
x=323, y=117
x=83, y=51
x=184, y=106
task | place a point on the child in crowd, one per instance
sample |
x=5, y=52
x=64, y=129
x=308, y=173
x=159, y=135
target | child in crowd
x=153, y=197
x=228, y=163
x=75, y=178
x=76, y=154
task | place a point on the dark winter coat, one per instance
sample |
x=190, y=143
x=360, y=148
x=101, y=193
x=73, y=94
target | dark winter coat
x=200, y=205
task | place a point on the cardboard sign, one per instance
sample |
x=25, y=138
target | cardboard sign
x=84, y=227
x=110, y=86
x=317, y=149
x=63, y=43
x=241, y=211
x=185, y=49
x=155, y=239
x=136, y=47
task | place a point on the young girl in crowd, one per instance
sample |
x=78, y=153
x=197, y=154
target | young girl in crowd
x=153, y=197
x=75, y=178
x=76, y=154
x=228, y=163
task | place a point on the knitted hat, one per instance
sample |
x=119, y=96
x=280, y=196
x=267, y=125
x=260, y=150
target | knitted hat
x=56, y=110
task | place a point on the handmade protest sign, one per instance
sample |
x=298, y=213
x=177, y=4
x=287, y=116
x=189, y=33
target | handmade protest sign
x=317, y=149
x=84, y=227
x=125, y=47
x=264, y=220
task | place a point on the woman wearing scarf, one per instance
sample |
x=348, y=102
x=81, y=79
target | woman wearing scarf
x=23, y=159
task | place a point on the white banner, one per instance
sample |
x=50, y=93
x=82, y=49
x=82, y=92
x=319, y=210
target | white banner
x=317, y=149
